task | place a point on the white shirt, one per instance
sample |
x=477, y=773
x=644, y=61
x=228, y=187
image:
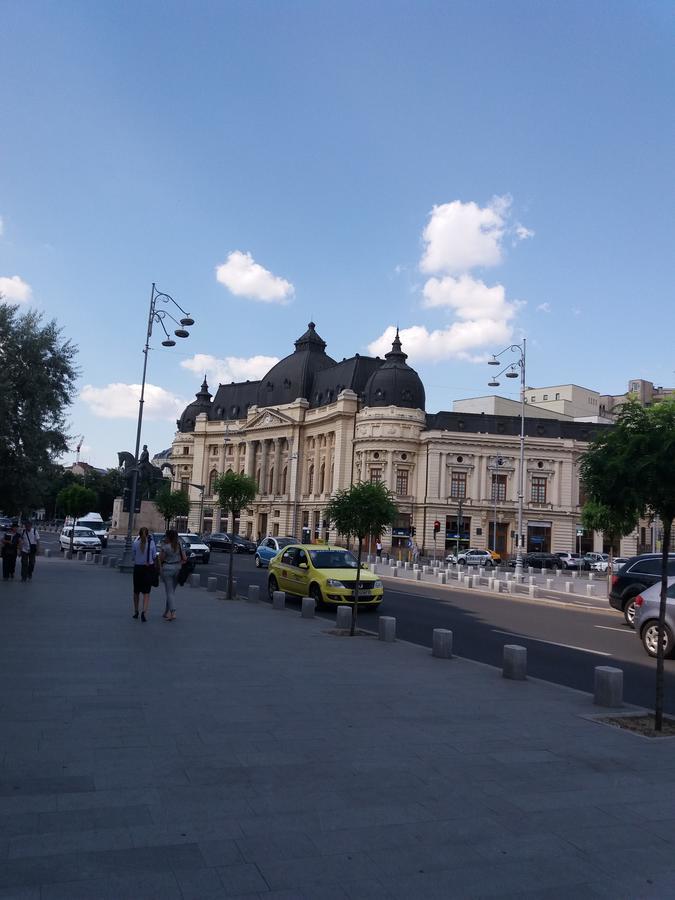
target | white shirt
x=144, y=557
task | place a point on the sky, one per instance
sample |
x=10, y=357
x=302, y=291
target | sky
x=471, y=172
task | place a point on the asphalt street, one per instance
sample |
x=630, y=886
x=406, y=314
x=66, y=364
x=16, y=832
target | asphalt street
x=565, y=641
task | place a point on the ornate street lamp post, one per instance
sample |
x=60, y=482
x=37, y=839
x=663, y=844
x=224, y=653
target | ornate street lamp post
x=158, y=316
x=511, y=372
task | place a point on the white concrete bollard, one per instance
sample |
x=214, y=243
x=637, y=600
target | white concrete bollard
x=253, y=593
x=386, y=629
x=442, y=643
x=590, y=590
x=608, y=686
x=549, y=584
x=279, y=600
x=530, y=570
x=417, y=576
x=394, y=573
x=575, y=574
x=399, y=564
x=475, y=581
x=80, y=555
x=212, y=584
x=568, y=587
x=308, y=608
x=344, y=617
x=97, y=559
x=512, y=587
x=530, y=579
x=195, y=580
x=442, y=578
x=515, y=662
x=48, y=553
x=88, y=556
x=467, y=581
x=534, y=590
x=591, y=576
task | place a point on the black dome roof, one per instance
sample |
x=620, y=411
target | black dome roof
x=395, y=383
x=292, y=376
x=201, y=405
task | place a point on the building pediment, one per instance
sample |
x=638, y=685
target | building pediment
x=268, y=418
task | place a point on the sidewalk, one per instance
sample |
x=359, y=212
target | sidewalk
x=242, y=751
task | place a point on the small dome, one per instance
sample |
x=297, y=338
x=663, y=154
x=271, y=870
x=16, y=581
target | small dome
x=202, y=404
x=292, y=377
x=395, y=383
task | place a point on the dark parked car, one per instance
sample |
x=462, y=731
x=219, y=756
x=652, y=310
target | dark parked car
x=638, y=574
x=220, y=540
x=539, y=560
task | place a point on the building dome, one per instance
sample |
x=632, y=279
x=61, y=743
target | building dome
x=292, y=377
x=395, y=383
x=201, y=405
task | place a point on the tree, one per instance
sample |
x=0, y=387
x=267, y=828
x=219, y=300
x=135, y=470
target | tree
x=629, y=469
x=75, y=501
x=361, y=510
x=235, y=492
x=172, y=503
x=38, y=385
x=598, y=517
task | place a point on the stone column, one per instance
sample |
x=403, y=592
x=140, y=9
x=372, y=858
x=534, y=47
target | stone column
x=277, y=465
x=263, y=466
x=250, y=458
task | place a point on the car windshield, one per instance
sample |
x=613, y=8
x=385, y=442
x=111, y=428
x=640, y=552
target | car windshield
x=284, y=542
x=333, y=559
x=193, y=539
x=84, y=532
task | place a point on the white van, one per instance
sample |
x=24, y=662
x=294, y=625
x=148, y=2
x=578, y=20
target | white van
x=95, y=522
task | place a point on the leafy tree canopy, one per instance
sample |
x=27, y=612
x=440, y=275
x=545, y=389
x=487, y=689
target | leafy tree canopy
x=76, y=500
x=361, y=510
x=235, y=492
x=172, y=503
x=598, y=517
x=38, y=385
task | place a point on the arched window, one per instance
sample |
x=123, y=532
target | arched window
x=212, y=482
x=270, y=481
x=310, y=480
x=322, y=478
x=284, y=475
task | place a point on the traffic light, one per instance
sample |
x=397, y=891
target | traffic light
x=437, y=526
x=412, y=531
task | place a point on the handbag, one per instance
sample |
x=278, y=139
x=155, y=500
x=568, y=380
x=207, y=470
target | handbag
x=154, y=578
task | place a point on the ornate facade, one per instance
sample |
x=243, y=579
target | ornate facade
x=312, y=426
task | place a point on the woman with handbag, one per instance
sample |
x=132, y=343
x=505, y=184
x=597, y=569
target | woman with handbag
x=171, y=558
x=145, y=570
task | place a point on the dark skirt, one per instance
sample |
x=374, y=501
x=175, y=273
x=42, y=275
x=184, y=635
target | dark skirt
x=143, y=579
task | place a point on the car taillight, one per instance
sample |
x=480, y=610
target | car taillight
x=615, y=578
x=639, y=600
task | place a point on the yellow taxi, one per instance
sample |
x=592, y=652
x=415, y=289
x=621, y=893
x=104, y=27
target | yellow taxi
x=326, y=573
x=496, y=557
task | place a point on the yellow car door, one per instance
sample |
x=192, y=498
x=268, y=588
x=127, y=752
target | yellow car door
x=302, y=574
x=283, y=571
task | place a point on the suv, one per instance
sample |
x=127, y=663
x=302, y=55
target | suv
x=638, y=574
x=199, y=551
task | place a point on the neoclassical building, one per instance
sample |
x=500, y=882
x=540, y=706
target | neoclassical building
x=314, y=425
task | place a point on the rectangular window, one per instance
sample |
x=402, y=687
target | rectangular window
x=186, y=451
x=402, y=482
x=499, y=488
x=533, y=398
x=185, y=484
x=557, y=396
x=458, y=485
x=375, y=476
x=545, y=396
x=538, y=489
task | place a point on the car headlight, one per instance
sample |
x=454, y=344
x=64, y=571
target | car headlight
x=333, y=582
x=377, y=585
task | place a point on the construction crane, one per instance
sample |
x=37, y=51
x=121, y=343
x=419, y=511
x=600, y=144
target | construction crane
x=78, y=447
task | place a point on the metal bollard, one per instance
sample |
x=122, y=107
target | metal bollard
x=279, y=600
x=308, y=609
x=344, y=617
x=386, y=627
x=608, y=686
x=253, y=593
x=514, y=664
x=442, y=643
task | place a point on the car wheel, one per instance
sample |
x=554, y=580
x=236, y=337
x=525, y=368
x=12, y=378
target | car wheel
x=257, y=561
x=272, y=586
x=315, y=594
x=629, y=611
x=650, y=639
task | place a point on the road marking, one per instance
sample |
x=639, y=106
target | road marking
x=528, y=637
x=620, y=630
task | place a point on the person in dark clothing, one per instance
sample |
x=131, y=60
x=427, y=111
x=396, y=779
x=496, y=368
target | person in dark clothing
x=10, y=549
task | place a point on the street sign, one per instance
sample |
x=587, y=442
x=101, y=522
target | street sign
x=580, y=532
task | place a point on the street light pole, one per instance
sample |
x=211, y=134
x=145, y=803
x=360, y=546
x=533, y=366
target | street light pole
x=511, y=372
x=158, y=316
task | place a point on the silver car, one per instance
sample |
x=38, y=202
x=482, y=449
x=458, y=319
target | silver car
x=647, y=618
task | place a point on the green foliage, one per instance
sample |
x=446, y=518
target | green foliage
x=172, y=503
x=38, y=385
x=76, y=500
x=598, y=517
x=362, y=510
x=235, y=492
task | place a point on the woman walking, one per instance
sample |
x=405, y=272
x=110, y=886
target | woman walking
x=171, y=558
x=145, y=554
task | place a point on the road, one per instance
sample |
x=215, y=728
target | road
x=565, y=641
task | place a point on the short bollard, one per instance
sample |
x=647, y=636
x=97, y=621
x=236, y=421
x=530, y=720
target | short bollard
x=591, y=576
x=534, y=590
x=80, y=555
x=590, y=590
x=97, y=559
x=212, y=584
x=515, y=662
x=253, y=593
x=399, y=564
x=344, y=617
x=475, y=581
x=442, y=643
x=512, y=587
x=394, y=573
x=417, y=576
x=308, y=608
x=48, y=553
x=531, y=579
x=608, y=686
x=279, y=600
x=386, y=629
x=88, y=556
x=442, y=578
x=195, y=580
x=549, y=584
x=530, y=570
x=468, y=581
x=568, y=587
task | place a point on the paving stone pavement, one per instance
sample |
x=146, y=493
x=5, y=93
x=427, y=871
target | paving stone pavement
x=241, y=751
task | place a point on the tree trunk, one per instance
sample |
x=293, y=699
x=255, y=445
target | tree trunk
x=229, y=571
x=355, y=605
x=658, y=705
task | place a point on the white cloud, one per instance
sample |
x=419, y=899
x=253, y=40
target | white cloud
x=2, y=226
x=469, y=298
x=244, y=277
x=461, y=340
x=120, y=401
x=230, y=368
x=523, y=233
x=460, y=236
x=544, y=307
x=15, y=289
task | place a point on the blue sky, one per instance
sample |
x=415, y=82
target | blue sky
x=473, y=172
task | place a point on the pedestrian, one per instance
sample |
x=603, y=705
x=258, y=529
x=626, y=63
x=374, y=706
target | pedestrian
x=171, y=558
x=145, y=554
x=378, y=549
x=10, y=550
x=30, y=537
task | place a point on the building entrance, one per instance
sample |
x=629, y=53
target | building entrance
x=499, y=542
x=538, y=537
